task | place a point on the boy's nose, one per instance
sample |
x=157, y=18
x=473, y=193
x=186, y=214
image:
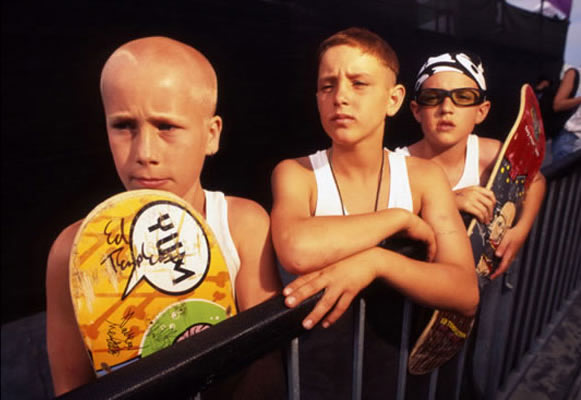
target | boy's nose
x=145, y=147
x=341, y=93
x=447, y=104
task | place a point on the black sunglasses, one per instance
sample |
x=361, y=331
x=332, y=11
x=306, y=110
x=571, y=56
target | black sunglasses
x=463, y=97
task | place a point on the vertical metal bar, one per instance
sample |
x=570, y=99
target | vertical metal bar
x=528, y=279
x=293, y=380
x=499, y=323
x=528, y=301
x=576, y=256
x=403, y=349
x=577, y=278
x=568, y=228
x=547, y=310
x=555, y=297
x=460, y=371
x=573, y=256
x=506, y=315
x=358, y=343
x=433, y=384
x=530, y=298
x=577, y=249
x=510, y=305
x=548, y=266
x=573, y=239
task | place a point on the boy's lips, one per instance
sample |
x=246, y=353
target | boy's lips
x=446, y=125
x=342, y=118
x=150, y=183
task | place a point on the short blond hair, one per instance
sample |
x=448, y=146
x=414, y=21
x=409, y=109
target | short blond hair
x=366, y=41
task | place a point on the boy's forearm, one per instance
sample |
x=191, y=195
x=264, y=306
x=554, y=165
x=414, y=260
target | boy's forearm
x=438, y=285
x=532, y=203
x=308, y=244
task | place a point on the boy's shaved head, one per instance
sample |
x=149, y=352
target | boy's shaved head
x=169, y=59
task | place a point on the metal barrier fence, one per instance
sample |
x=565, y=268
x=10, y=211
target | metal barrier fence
x=518, y=313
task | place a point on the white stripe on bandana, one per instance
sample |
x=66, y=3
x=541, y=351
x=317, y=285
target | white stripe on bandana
x=455, y=62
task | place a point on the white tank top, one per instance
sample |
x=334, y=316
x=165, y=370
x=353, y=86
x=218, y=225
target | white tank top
x=471, y=173
x=217, y=218
x=328, y=199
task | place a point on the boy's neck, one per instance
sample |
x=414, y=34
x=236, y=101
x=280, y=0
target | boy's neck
x=444, y=155
x=451, y=159
x=197, y=199
x=359, y=160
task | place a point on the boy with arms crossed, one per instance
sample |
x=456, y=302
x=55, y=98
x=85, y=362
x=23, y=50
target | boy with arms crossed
x=333, y=208
x=159, y=97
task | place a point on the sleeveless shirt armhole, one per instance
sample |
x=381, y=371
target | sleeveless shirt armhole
x=400, y=194
x=217, y=218
x=328, y=202
x=471, y=173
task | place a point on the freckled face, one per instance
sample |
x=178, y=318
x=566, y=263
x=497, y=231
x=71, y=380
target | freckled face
x=353, y=94
x=447, y=124
x=159, y=133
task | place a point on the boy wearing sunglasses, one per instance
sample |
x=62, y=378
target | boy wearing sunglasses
x=449, y=101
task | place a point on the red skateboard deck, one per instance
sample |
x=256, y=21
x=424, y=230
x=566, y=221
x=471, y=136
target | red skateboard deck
x=519, y=160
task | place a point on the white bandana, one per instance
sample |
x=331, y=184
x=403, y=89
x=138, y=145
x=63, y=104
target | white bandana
x=470, y=66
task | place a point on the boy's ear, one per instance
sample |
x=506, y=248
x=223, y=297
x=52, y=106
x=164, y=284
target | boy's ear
x=483, y=110
x=395, y=100
x=214, y=130
x=415, y=107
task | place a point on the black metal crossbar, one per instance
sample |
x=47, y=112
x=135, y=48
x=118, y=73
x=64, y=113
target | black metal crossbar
x=194, y=363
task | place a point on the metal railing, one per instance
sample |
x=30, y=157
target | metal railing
x=521, y=308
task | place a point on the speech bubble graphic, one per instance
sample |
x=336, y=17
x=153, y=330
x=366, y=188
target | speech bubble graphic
x=169, y=249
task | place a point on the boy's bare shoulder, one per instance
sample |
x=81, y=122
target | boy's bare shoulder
x=423, y=169
x=427, y=180
x=242, y=210
x=61, y=248
x=245, y=218
x=300, y=165
x=488, y=150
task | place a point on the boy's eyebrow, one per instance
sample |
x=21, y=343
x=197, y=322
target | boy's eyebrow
x=156, y=119
x=166, y=119
x=328, y=78
x=121, y=116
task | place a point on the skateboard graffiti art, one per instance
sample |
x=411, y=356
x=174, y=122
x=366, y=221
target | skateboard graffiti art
x=145, y=272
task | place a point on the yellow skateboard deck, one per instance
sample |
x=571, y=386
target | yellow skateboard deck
x=145, y=271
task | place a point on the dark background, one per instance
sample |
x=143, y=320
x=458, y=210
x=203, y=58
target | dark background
x=56, y=164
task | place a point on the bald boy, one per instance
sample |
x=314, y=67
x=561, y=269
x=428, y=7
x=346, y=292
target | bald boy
x=159, y=97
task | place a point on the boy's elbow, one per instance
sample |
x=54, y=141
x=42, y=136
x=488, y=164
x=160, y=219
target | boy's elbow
x=293, y=255
x=296, y=263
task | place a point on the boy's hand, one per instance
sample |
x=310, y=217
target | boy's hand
x=418, y=229
x=477, y=201
x=342, y=281
x=508, y=249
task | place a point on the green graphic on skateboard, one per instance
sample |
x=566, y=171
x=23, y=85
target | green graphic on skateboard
x=519, y=160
